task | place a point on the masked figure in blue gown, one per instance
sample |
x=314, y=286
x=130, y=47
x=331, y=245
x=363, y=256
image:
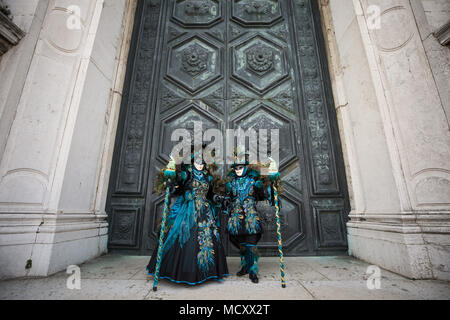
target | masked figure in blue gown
x=192, y=252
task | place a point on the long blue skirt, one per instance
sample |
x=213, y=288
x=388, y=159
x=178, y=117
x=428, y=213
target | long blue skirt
x=180, y=262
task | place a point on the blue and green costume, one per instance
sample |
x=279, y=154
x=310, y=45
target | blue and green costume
x=192, y=252
x=244, y=224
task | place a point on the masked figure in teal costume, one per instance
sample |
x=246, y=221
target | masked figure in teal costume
x=244, y=225
x=192, y=252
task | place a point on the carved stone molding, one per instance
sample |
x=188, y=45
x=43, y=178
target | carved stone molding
x=443, y=34
x=10, y=34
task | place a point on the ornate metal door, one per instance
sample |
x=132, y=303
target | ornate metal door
x=229, y=64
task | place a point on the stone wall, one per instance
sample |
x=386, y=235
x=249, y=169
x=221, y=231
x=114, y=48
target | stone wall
x=394, y=123
x=28, y=15
x=54, y=168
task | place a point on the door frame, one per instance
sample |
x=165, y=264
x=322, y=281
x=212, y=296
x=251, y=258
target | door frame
x=146, y=9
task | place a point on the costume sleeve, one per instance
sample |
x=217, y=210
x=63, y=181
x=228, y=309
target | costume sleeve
x=228, y=189
x=260, y=191
x=178, y=186
x=227, y=198
x=264, y=191
x=270, y=195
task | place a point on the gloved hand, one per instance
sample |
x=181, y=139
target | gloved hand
x=170, y=170
x=273, y=170
x=217, y=198
x=226, y=202
x=169, y=183
x=223, y=201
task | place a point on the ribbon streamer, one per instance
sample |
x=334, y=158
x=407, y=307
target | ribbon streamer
x=280, y=243
x=161, y=239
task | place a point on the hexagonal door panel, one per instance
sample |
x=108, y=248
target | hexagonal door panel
x=259, y=64
x=197, y=13
x=263, y=117
x=290, y=221
x=194, y=64
x=185, y=119
x=256, y=12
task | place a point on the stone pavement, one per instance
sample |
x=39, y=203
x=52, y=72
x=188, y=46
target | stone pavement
x=116, y=276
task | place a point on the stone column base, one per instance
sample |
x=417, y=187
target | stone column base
x=44, y=244
x=415, y=245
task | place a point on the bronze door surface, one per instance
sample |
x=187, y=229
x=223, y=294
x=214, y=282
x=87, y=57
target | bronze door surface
x=244, y=63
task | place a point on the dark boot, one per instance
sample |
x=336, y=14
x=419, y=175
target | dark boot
x=253, y=277
x=252, y=257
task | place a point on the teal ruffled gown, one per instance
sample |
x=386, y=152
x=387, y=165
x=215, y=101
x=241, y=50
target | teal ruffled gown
x=192, y=252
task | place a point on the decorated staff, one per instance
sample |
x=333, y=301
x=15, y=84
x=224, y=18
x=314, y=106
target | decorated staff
x=189, y=250
x=169, y=174
x=274, y=177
